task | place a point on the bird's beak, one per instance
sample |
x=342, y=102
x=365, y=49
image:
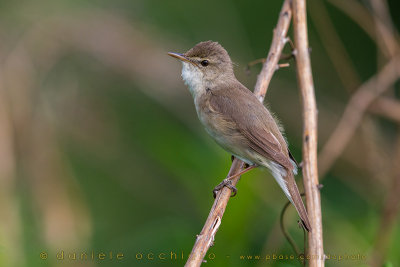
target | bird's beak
x=182, y=57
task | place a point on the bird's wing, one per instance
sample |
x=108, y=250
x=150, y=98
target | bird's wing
x=253, y=121
x=262, y=141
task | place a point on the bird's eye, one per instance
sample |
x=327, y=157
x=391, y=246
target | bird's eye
x=204, y=63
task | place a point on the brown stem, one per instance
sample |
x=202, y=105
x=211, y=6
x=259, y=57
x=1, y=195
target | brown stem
x=206, y=237
x=386, y=107
x=310, y=170
x=289, y=237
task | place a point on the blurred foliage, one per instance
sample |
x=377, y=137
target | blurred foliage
x=107, y=154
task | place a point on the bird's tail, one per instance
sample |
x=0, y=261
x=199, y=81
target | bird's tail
x=296, y=200
x=285, y=179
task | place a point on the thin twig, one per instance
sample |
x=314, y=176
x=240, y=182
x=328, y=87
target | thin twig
x=205, y=238
x=255, y=62
x=289, y=237
x=355, y=111
x=286, y=233
x=310, y=170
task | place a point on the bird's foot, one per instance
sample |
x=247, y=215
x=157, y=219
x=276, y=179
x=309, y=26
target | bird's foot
x=228, y=181
x=225, y=183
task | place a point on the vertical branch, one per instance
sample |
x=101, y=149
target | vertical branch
x=206, y=238
x=310, y=170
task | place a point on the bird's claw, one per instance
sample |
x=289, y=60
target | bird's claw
x=225, y=183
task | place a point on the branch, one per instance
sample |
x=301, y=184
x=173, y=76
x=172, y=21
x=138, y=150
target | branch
x=355, y=111
x=286, y=233
x=310, y=170
x=386, y=107
x=206, y=237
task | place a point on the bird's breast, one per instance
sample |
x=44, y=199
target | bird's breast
x=219, y=126
x=215, y=122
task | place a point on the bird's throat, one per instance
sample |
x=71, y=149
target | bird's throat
x=193, y=78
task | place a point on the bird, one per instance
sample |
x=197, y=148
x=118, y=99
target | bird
x=233, y=116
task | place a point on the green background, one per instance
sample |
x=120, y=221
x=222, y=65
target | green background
x=107, y=154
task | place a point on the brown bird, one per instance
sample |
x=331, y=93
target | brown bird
x=237, y=120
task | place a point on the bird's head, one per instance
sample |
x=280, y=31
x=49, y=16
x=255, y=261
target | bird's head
x=205, y=63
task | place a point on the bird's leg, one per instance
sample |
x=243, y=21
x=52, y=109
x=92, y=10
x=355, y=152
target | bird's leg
x=246, y=169
x=228, y=181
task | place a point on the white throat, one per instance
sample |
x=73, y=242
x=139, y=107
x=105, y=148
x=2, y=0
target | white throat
x=193, y=78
